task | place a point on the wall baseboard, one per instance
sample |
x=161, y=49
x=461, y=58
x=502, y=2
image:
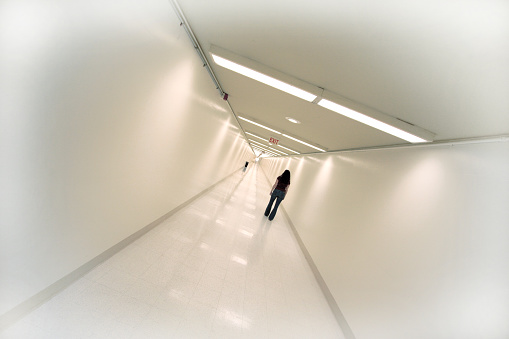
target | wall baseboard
x=340, y=318
x=15, y=314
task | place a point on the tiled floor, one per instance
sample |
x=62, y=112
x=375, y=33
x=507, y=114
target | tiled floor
x=215, y=269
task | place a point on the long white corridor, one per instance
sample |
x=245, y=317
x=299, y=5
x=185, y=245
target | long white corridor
x=215, y=269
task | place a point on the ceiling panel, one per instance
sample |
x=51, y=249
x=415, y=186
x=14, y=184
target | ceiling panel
x=441, y=65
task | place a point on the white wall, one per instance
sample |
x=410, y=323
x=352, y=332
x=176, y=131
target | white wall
x=108, y=121
x=413, y=243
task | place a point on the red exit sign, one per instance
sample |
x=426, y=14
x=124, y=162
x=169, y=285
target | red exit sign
x=273, y=140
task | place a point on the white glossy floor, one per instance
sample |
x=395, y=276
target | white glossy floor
x=215, y=269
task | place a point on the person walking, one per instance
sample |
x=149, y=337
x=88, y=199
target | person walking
x=278, y=193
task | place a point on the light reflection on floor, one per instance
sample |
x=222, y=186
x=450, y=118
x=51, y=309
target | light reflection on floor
x=216, y=269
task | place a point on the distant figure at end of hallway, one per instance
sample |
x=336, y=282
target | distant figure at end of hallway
x=245, y=166
x=278, y=193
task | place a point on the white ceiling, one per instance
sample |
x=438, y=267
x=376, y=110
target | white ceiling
x=442, y=65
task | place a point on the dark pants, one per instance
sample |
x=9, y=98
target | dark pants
x=277, y=195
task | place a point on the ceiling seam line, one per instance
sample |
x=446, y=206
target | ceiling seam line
x=196, y=44
x=206, y=64
x=450, y=143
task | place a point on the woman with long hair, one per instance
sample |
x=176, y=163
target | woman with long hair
x=278, y=193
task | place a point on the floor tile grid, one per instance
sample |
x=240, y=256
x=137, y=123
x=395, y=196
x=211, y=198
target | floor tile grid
x=313, y=309
x=196, y=288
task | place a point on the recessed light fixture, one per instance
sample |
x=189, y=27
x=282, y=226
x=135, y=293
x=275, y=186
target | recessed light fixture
x=262, y=146
x=277, y=151
x=320, y=96
x=288, y=149
x=304, y=143
x=264, y=151
x=285, y=135
x=256, y=136
x=253, y=144
x=263, y=78
x=293, y=120
x=370, y=121
x=258, y=143
x=260, y=125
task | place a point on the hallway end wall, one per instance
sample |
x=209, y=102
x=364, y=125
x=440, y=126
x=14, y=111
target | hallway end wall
x=108, y=121
x=411, y=242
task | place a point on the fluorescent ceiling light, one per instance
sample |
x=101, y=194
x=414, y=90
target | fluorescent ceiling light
x=286, y=148
x=269, y=153
x=265, y=154
x=295, y=121
x=265, y=150
x=268, y=149
x=259, y=145
x=256, y=142
x=304, y=143
x=248, y=72
x=370, y=121
x=286, y=135
x=260, y=125
x=256, y=136
x=257, y=152
x=278, y=151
